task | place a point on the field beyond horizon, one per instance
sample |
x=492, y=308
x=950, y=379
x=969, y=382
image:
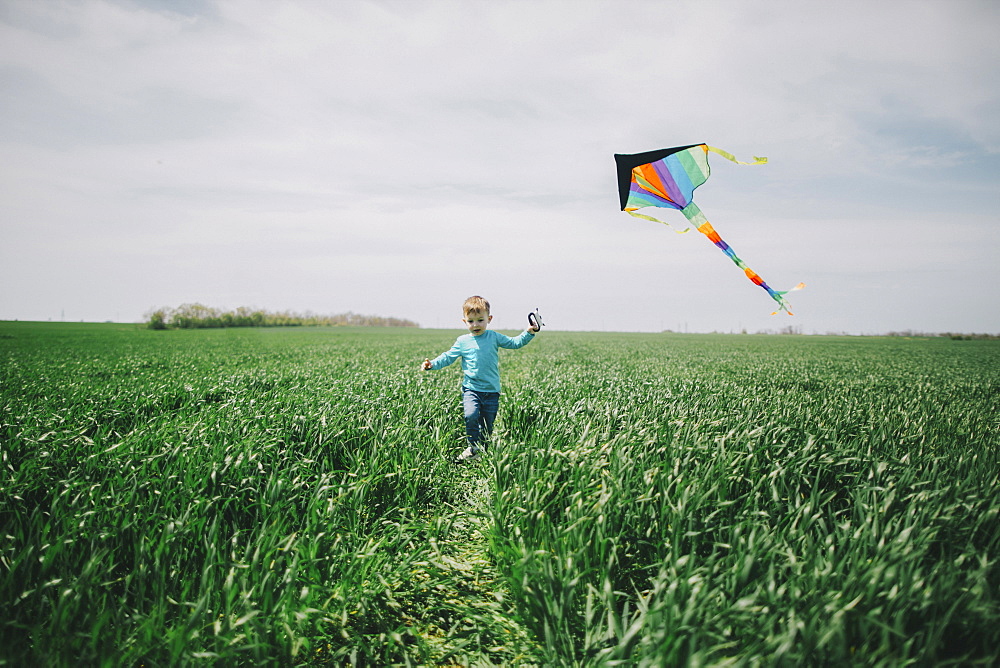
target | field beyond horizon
x=285, y=496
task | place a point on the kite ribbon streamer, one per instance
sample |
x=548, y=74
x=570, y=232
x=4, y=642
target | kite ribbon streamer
x=757, y=160
x=657, y=220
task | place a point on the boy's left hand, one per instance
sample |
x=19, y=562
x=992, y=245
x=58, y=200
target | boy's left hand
x=535, y=322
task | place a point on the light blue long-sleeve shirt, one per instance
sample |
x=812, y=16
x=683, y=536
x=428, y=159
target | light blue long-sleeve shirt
x=480, y=358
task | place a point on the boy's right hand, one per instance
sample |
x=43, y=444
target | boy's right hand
x=426, y=366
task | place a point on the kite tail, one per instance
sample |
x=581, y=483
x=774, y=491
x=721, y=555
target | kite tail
x=697, y=218
x=632, y=212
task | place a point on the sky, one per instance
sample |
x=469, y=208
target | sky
x=394, y=157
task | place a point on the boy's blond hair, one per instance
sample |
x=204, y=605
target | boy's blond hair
x=475, y=304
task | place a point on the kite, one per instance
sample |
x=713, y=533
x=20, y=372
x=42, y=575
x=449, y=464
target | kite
x=667, y=178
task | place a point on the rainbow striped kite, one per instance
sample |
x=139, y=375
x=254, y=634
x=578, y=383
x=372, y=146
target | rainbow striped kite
x=667, y=178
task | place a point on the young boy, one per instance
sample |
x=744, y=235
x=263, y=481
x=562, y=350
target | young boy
x=480, y=371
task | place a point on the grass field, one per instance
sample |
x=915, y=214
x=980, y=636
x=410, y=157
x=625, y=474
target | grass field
x=284, y=497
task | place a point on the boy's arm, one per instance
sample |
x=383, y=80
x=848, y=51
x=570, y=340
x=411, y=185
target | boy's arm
x=519, y=341
x=444, y=359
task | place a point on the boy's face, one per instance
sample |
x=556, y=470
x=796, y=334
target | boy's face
x=477, y=321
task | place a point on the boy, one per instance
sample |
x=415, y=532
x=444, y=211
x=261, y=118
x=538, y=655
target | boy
x=480, y=371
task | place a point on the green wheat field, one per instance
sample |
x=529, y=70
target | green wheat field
x=285, y=497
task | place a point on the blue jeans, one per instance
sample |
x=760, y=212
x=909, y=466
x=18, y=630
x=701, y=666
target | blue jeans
x=480, y=412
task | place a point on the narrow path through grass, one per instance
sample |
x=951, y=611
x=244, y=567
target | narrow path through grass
x=483, y=628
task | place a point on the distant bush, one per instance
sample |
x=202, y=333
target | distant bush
x=157, y=320
x=199, y=316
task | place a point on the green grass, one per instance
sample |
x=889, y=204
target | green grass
x=283, y=496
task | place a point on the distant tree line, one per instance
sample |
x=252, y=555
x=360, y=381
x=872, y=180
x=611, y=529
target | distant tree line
x=955, y=336
x=199, y=316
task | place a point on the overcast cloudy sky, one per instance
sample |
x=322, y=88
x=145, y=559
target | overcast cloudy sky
x=394, y=157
